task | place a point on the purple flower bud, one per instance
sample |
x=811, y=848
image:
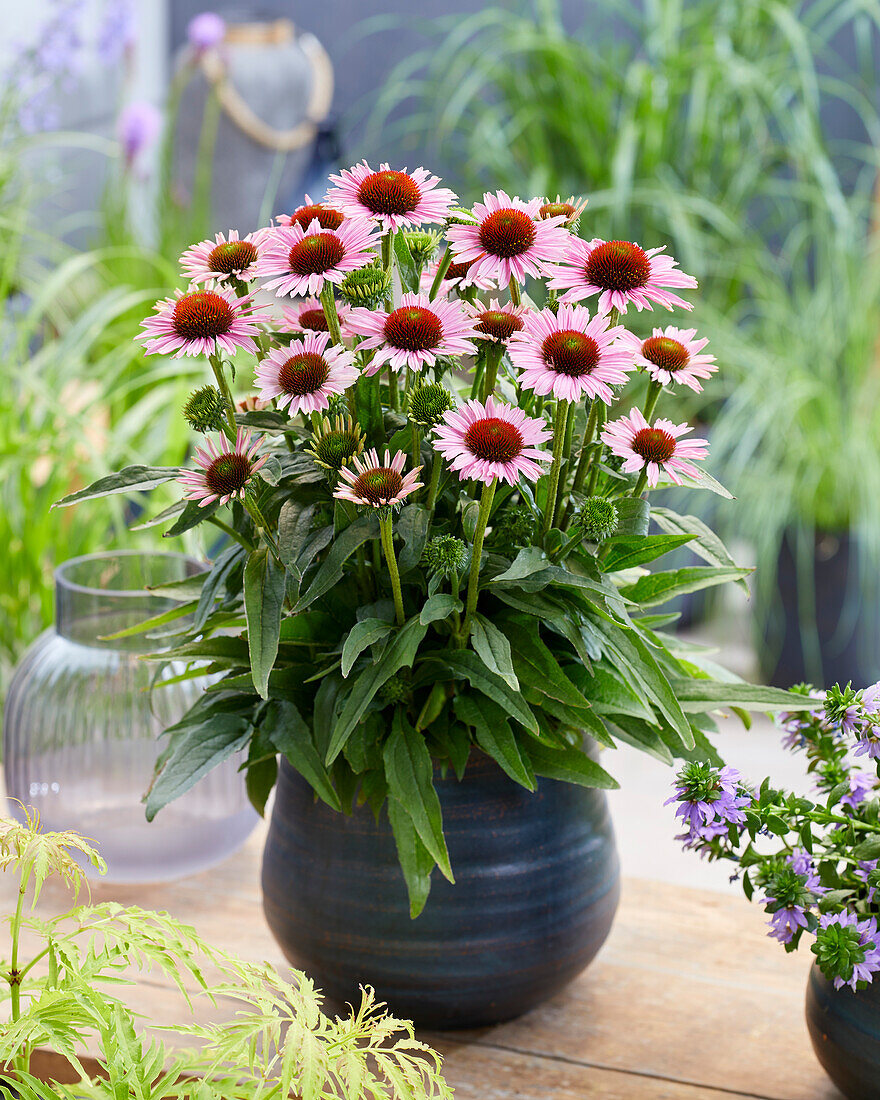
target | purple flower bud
x=138, y=127
x=206, y=31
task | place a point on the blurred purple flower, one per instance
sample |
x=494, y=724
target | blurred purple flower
x=861, y=784
x=139, y=125
x=118, y=31
x=206, y=31
x=865, y=868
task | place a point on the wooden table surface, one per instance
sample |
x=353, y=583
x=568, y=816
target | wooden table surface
x=688, y=999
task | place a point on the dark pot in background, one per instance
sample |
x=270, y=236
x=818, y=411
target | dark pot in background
x=537, y=885
x=845, y=1031
x=844, y=641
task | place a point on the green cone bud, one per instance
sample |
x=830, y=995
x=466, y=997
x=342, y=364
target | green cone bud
x=422, y=246
x=205, y=410
x=368, y=286
x=515, y=527
x=597, y=518
x=444, y=554
x=427, y=403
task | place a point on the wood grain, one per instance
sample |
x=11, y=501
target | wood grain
x=688, y=1000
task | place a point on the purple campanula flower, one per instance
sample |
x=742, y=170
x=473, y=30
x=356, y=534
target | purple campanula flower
x=785, y=922
x=118, y=31
x=206, y=31
x=861, y=784
x=138, y=127
x=709, y=800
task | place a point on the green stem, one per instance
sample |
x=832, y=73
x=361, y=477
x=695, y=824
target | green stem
x=486, y=498
x=597, y=451
x=493, y=361
x=583, y=465
x=393, y=402
x=515, y=296
x=640, y=484
x=433, y=487
x=328, y=301
x=566, y=459
x=416, y=446
x=445, y=264
x=387, y=538
x=21, y=1059
x=231, y=532
x=654, y=391
x=559, y=423
x=220, y=377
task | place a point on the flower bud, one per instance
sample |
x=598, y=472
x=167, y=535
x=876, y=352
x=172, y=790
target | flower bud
x=597, y=518
x=422, y=245
x=444, y=554
x=427, y=403
x=335, y=443
x=368, y=286
x=205, y=410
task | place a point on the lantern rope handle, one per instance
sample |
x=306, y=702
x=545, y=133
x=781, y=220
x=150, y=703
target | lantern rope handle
x=241, y=113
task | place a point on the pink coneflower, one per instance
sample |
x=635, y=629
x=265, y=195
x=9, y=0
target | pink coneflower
x=326, y=216
x=202, y=322
x=491, y=441
x=655, y=448
x=303, y=376
x=453, y=279
x=621, y=273
x=392, y=199
x=308, y=316
x=672, y=355
x=569, y=355
x=223, y=473
x=375, y=483
x=299, y=261
x=496, y=323
x=507, y=241
x=223, y=258
x=414, y=334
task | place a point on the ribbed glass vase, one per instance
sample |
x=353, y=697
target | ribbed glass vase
x=82, y=725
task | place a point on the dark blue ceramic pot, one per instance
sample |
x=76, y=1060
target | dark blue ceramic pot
x=845, y=1029
x=537, y=885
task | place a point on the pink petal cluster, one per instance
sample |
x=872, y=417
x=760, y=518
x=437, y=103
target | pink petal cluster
x=496, y=323
x=621, y=273
x=307, y=315
x=508, y=240
x=570, y=354
x=414, y=334
x=377, y=483
x=202, y=322
x=672, y=355
x=392, y=199
x=224, y=472
x=657, y=448
x=223, y=258
x=303, y=376
x=490, y=441
x=299, y=261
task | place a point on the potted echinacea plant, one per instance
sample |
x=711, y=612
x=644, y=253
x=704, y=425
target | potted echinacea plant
x=433, y=603
x=814, y=864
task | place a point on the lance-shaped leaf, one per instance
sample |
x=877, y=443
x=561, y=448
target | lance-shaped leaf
x=288, y=731
x=706, y=545
x=130, y=480
x=701, y=695
x=626, y=551
x=494, y=649
x=361, y=635
x=495, y=737
x=409, y=771
x=415, y=859
x=264, y=582
x=343, y=546
x=658, y=588
x=469, y=666
x=399, y=653
x=569, y=764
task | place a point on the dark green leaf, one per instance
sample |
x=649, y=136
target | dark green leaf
x=344, y=545
x=701, y=695
x=192, y=515
x=194, y=751
x=412, y=527
x=410, y=775
x=569, y=764
x=633, y=516
x=400, y=652
x=494, y=649
x=657, y=588
x=415, y=859
x=360, y=636
x=707, y=544
x=286, y=728
x=469, y=666
x=536, y=666
x=627, y=551
x=264, y=583
x=495, y=737
x=294, y=524
x=439, y=607
x=406, y=265
x=131, y=479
